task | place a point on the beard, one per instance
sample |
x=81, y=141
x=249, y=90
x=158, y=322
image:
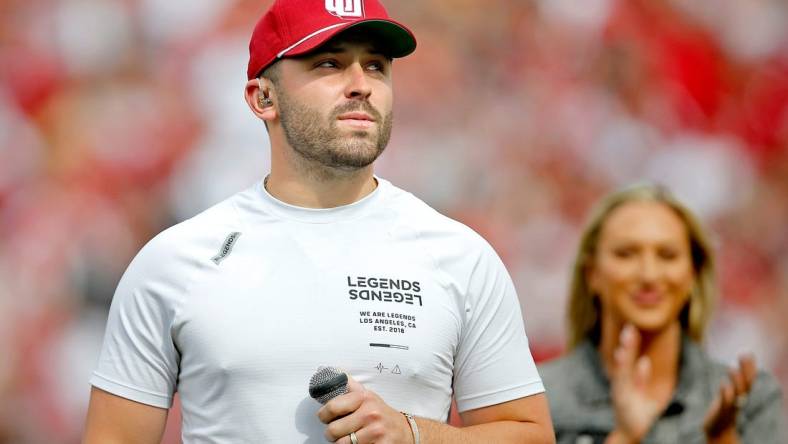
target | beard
x=321, y=141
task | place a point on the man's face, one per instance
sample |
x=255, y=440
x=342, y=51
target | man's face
x=335, y=104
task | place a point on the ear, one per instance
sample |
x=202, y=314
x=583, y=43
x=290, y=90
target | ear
x=257, y=89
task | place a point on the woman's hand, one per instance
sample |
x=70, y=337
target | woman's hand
x=720, y=422
x=635, y=410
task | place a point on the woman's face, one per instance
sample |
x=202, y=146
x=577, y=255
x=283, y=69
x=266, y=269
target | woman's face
x=642, y=267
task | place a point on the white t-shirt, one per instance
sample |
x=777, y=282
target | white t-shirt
x=237, y=307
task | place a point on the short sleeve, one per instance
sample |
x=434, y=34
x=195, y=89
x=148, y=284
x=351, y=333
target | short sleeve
x=493, y=363
x=138, y=359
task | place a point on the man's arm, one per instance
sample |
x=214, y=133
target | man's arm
x=525, y=420
x=116, y=420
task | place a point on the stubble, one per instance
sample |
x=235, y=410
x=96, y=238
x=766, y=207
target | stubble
x=321, y=143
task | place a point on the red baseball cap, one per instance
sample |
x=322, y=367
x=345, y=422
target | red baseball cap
x=294, y=27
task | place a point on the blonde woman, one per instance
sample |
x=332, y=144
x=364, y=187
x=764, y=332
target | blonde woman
x=642, y=292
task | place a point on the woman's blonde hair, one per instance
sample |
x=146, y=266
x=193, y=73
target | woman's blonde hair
x=583, y=311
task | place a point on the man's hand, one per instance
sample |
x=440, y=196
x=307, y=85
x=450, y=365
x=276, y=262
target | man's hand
x=363, y=412
x=720, y=422
x=635, y=410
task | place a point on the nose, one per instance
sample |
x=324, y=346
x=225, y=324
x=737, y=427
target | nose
x=358, y=86
x=649, y=268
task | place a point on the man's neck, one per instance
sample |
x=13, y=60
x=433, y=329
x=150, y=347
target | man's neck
x=320, y=190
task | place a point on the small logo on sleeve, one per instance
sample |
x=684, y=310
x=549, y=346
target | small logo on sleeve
x=227, y=247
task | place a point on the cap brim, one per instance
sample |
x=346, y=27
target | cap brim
x=394, y=39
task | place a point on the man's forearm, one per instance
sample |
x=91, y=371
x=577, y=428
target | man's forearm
x=504, y=432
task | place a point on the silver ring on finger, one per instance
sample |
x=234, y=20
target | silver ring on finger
x=353, y=438
x=740, y=401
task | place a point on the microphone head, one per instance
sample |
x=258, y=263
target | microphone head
x=327, y=383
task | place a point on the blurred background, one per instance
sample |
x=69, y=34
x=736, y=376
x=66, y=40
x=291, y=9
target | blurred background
x=119, y=118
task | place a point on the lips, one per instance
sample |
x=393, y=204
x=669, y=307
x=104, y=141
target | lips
x=356, y=116
x=647, y=297
x=357, y=120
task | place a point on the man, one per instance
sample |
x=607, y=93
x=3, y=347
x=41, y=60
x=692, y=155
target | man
x=321, y=263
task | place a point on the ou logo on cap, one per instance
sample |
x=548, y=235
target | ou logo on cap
x=345, y=8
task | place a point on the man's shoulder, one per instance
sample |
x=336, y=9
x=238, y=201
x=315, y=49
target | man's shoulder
x=185, y=243
x=420, y=216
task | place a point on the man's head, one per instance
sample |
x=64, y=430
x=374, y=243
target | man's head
x=327, y=90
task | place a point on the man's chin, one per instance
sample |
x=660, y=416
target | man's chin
x=351, y=163
x=356, y=158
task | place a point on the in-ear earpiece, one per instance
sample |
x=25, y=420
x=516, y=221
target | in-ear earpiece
x=265, y=102
x=262, y=97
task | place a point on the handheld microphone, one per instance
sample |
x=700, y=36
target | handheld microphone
x=327, y=383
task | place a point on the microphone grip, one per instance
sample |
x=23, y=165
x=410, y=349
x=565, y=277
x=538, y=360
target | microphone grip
x=327, y=383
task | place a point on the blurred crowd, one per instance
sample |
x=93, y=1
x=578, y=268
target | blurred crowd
x=119, y=118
